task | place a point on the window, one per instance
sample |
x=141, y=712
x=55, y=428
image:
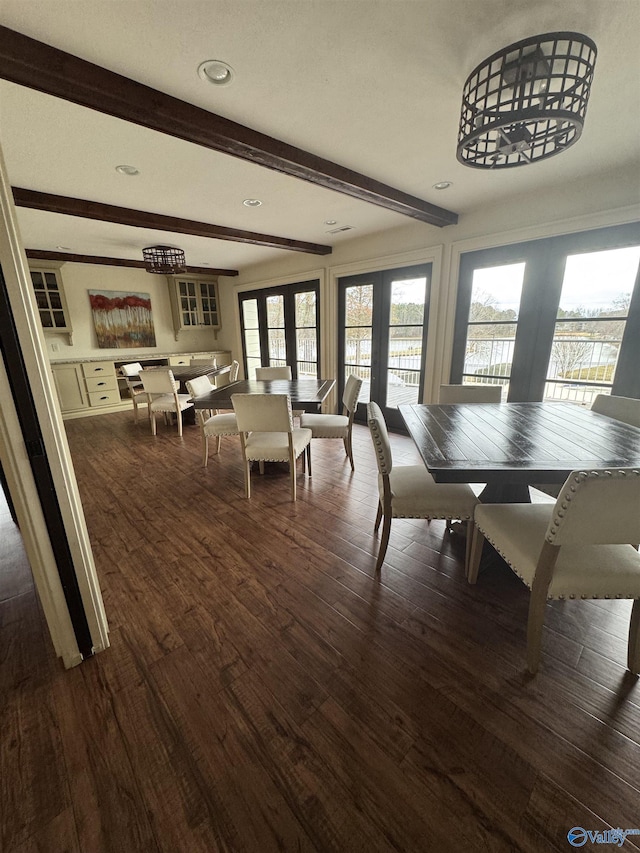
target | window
x=556, y=319
x=281, y=326
x=384, y=318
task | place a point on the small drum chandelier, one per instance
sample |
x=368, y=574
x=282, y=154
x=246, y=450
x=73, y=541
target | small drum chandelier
x=526, y=102
x=164, y=260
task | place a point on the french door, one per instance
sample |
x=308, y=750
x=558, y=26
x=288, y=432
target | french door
x=384, y=317
x=281, y=325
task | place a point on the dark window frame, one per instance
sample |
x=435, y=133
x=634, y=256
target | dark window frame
x=288, y=292
x=545, y=260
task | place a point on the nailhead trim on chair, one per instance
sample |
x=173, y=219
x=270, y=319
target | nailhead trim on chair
x=578, y=480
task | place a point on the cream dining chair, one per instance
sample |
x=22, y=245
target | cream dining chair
x=623, y=409
x=576, y=548
x=470, y=394
x=278, y=372
x=131, y=373
x=210, y=425
x=162, y=395
x=409, y=491
x=267, y=434
x=337, y=426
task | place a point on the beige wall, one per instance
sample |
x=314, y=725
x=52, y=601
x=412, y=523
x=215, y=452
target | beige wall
x=78, y=279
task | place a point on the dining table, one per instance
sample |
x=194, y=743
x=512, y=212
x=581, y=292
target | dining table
x=307, y=394
x=511, y=446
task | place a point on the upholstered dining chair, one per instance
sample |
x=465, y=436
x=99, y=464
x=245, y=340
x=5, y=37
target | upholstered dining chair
x=267, y=434
x=279, y=372
x=134, y=385
x=203, y=362
x=210, y=425
x=233, y=373
x=337, y=426
x=574, y=549
x=162, y=395
x=470, y=394
x=624, y=409
x=409, y=491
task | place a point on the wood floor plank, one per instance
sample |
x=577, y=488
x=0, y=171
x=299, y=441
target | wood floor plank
x=265, y=691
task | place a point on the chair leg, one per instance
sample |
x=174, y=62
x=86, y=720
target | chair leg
x=384, y=542
x=378, y=517
x=179, y=418
x=205, y=450
x=247, y=478
x=218, y=439
x=292, y=471
x=475, y=552
x=309, y=459
x=135, y=411
x=633, y=651
x=537, y=606
x=153, y=423
x=467, y=552
x=348, y=449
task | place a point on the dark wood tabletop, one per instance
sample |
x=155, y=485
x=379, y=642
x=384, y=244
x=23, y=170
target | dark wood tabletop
x=512, y=445
x=304, y=393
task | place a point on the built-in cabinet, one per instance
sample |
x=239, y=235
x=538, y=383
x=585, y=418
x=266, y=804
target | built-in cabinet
x=52, y=306
x=194, y=303
x=86, y=388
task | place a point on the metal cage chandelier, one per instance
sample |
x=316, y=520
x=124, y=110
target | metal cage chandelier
x=164, y=260
x=527, y=102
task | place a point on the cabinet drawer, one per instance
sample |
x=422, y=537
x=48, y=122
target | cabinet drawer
x=104, y=398
x=101, y=383
x=98, y=368
x=180, y=360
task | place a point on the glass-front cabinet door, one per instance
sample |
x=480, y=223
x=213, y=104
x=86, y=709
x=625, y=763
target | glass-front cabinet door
x=49, y=293
x=194, y=302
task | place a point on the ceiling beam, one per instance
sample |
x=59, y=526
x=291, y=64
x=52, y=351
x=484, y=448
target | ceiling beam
x=68, y=257
x=143, y=219
x=47, y=69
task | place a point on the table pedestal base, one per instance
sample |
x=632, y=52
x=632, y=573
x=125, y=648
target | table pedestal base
x=505, y=493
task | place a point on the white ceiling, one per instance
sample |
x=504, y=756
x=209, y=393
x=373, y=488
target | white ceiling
x=374, y=85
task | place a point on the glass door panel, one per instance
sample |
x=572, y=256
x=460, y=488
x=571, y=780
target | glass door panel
x=276, y=331
x=251, y=332
x=358, y=332
x=405, y=349
x=306, y=334
x=493, y=321
x=590, y=322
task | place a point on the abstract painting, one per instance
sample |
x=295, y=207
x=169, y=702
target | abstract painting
x=122, y=319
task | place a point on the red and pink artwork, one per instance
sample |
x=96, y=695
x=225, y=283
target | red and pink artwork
x=122, y=320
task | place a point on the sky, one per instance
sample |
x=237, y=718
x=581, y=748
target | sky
x=591, y=280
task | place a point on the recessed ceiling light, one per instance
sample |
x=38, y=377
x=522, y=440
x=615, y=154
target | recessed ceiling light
x=443, y=185
x=63, y=248
x=331, y=222
x=215, y=71
x=127, y=170
x=252, y=202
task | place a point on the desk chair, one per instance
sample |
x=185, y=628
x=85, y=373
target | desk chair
x=574, y=549
x=162, y=395
x=470, y=394
x=410, y=491
x=134, y=384
x=337, y=426
x=210, y=425
x=267, y=434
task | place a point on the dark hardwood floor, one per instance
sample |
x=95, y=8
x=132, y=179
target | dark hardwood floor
x=264, y=692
